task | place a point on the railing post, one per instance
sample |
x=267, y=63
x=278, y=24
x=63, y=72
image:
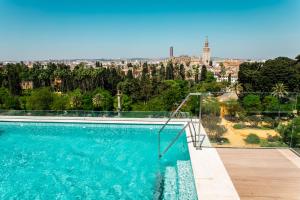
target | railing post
x=200, y=113
x=293, y=124
x=159, y=155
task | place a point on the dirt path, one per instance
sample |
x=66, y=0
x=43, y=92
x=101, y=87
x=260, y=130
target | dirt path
x=237, y=136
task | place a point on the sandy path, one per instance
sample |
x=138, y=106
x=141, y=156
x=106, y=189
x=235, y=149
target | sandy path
x=237, y=136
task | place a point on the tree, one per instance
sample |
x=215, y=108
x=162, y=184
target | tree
x=261, y=77
x=7, y=101
x=182, y=72
x=171, y=96
x=97, y=101
x=203, y=75
x=223, y=70
x=129, y=75
x=170, y=71
x=196, y=74
x=98, y=64
x=270, y=103
x=210, y=77
x=102, y=100
x=13, y=79
x=232, y=107
x=229, y=78
x=131, y=88
x=290, y=133
x=298, y=58
x=145, y=74
x=75, y=100
x=211, y=106
x=154, y=80
x=145, y=84
x=153, y=71
x=279, y=90
x=40, y=99
x=238, y=88
x=60, y=102
x=252, y=103
x=213, y=126
x=113, y=78
x=162, y=72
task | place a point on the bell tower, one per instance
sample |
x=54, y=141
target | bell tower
x=206, y=53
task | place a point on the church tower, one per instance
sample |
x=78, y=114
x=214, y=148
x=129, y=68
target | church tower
x=206, y=53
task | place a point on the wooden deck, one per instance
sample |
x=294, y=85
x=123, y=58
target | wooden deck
x=263, y=174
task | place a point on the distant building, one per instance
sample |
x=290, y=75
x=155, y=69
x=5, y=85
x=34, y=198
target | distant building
x=27, y=85
x=184, y=59
x=56, y=84
x=171, y=52
x=206, y=53
x=190, y=61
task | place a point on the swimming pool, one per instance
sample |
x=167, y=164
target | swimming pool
x=91, y=161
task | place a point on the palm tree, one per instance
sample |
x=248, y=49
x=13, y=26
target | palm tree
x=97, y=101
x=75, y=102
x=238, y=88
x=279, y=90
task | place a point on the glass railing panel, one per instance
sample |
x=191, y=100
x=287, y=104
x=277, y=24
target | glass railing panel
x=257, y=120
x=82, y=113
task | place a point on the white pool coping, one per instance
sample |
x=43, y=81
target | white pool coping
x=211, y=178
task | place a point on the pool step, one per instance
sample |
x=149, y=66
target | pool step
x=186, y=185
x=170, y=184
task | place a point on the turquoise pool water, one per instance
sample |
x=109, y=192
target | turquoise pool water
x=84, y=161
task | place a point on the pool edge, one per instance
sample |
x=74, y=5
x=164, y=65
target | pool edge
x=210, y=175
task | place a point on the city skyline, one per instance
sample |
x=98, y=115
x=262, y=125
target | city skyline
x=34, y=30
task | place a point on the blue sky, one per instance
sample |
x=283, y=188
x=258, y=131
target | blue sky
x=58, y=29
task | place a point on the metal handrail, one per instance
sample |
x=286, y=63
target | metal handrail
x=197, y=143
x=194, y=137
x=173, y=141
x=174, y=113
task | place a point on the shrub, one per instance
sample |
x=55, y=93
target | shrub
x=254, y=120
x=224, y=140
x=212, y=124
x=59, y=102
x=252, y=139
x=274, y=138
x=265, y=143
x=239, y=126
x=290, y=132
x=232, y=107
x=40, y=99
x=211, y=106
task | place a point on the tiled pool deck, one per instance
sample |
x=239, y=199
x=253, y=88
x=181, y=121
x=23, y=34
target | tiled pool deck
x=211, y=177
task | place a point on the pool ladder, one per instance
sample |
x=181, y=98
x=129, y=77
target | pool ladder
x=197, y=138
